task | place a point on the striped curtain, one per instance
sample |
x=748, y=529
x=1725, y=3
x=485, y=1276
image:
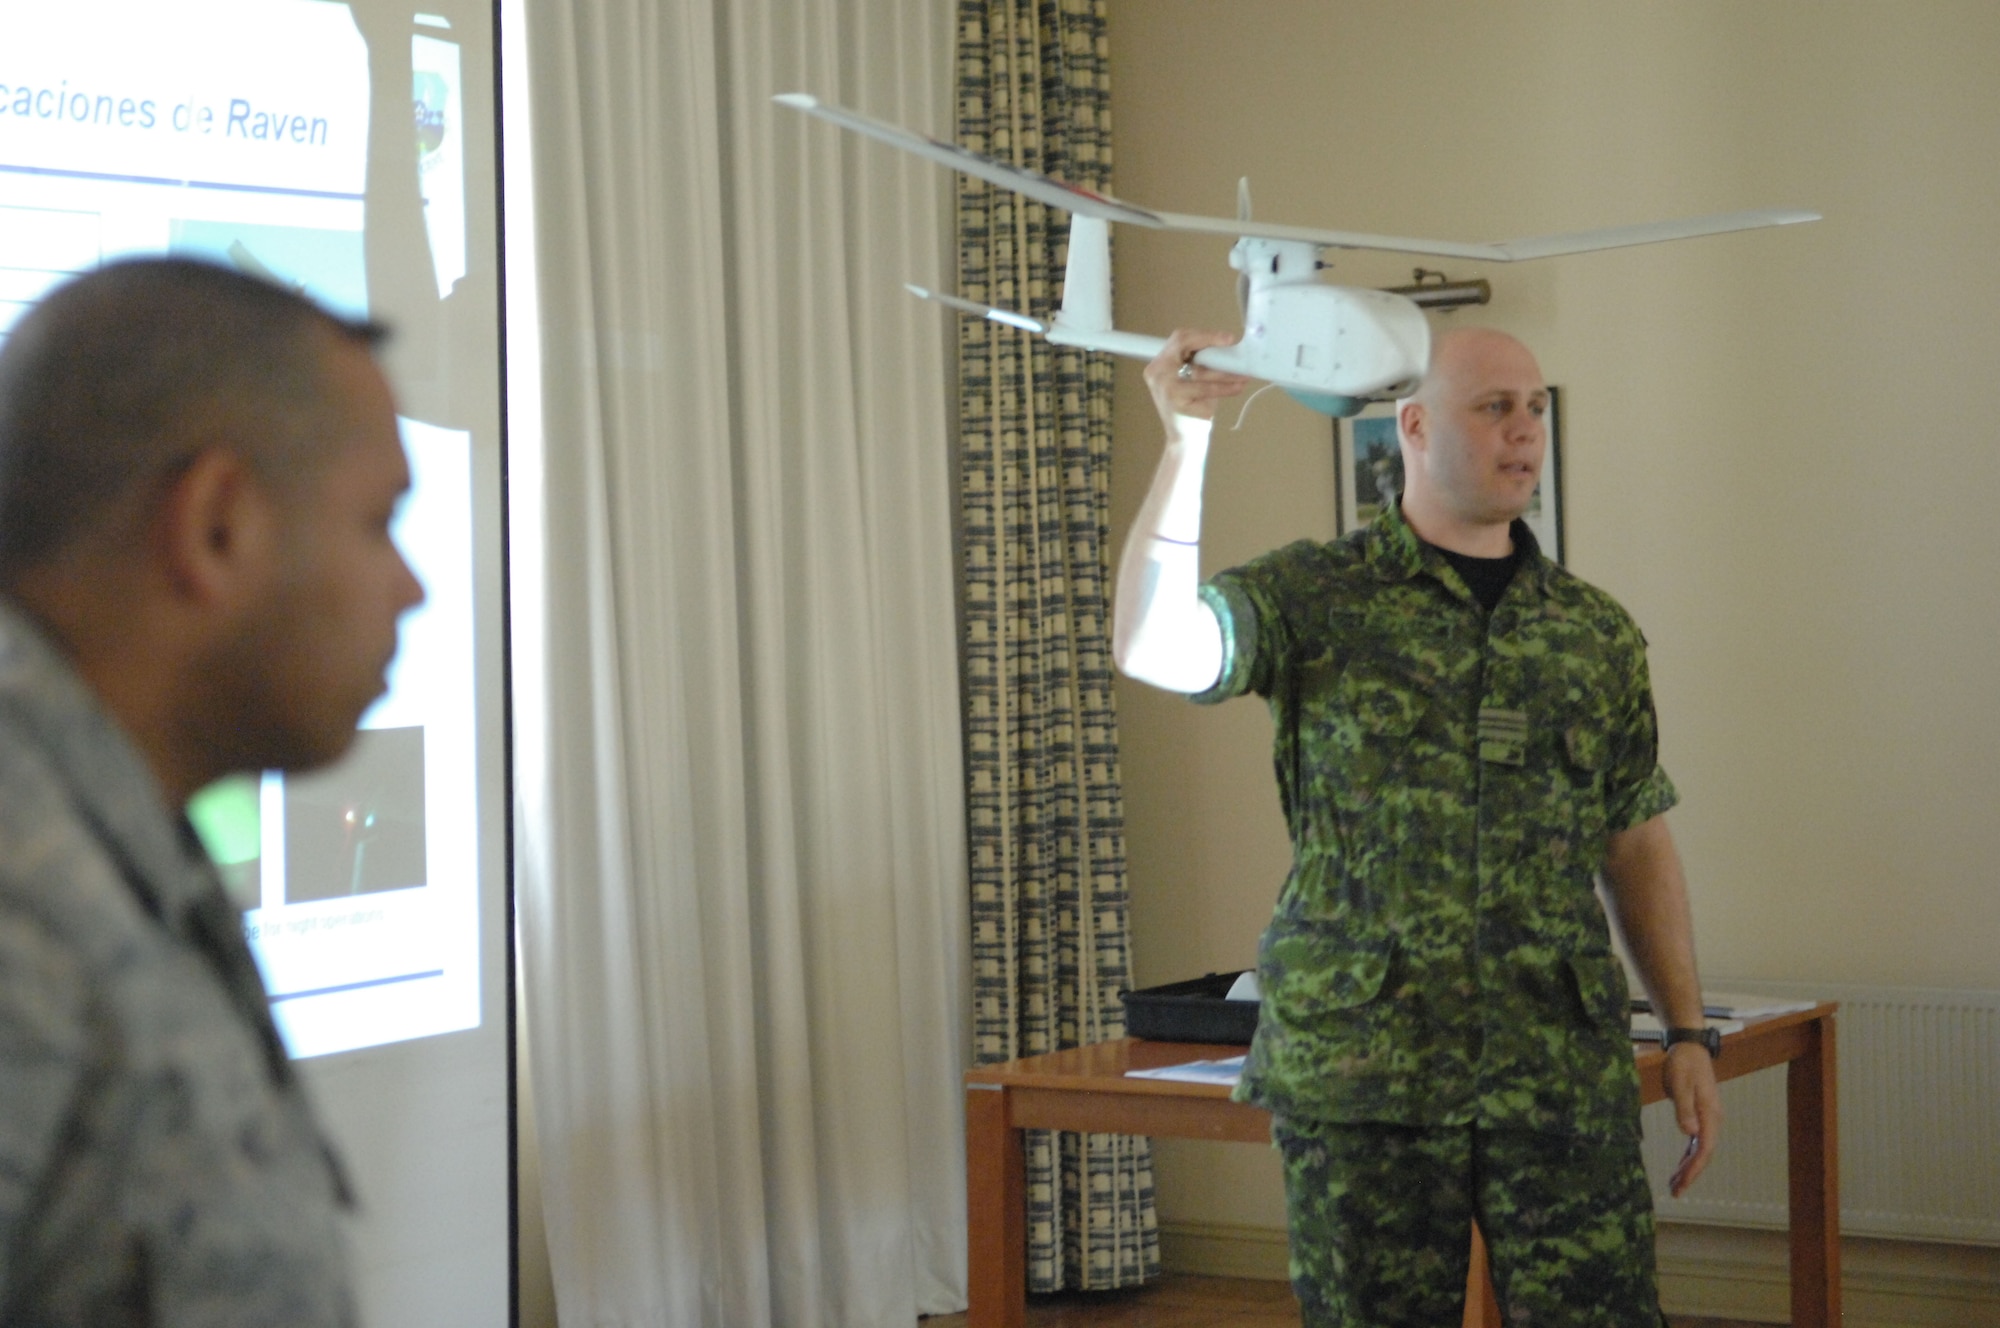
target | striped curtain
x=1050, y=936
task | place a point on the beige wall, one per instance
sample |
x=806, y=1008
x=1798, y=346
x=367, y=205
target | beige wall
x=1782, y=449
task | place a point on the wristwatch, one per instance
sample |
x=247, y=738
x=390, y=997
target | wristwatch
x=1708, y=1037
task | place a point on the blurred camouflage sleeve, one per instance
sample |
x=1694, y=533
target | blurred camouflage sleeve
x=43, y=1050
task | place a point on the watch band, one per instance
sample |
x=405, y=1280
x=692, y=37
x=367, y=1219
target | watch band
x=1709, y=1038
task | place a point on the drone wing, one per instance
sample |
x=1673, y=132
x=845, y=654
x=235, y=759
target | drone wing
x=1035, y=185
x=1652, y=232
x=1084, y=202
x=1505, y=251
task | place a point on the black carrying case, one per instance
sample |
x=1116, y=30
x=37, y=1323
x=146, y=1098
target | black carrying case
x=1191, y=1011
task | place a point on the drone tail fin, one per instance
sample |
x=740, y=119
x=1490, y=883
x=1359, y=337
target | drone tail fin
x=1086, y=303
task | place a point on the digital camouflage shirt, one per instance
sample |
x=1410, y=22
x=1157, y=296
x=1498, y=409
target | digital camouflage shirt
x=1438, y=955
x=159, y=1164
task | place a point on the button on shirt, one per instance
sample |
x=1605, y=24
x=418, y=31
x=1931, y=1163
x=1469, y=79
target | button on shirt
x=159, y=1163
x=1450, y=778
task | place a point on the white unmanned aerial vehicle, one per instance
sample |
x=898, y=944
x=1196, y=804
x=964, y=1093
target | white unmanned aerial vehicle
x=1335, y=348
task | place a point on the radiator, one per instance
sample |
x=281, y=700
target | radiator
x=1919, y=1098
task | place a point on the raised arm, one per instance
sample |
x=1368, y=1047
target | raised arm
x=1161, y=631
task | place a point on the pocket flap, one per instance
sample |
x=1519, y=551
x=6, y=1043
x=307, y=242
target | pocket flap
x=1587, y=746
x=1600, y=985
x=1379, y=705
x=1306, y=968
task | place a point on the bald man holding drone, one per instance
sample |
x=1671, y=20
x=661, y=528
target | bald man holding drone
x=1464, y=741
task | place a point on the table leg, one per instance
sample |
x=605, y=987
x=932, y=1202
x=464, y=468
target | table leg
x=1482, y=1307
x=996, y=1217
x=1813, y=1159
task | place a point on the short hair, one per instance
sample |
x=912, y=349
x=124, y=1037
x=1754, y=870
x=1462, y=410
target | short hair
x=120, y=376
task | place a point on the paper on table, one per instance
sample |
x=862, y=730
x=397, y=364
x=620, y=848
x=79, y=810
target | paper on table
x=1646, y=1028
x=1226, y=1071
x=1731, y=1005
x=1244, y=988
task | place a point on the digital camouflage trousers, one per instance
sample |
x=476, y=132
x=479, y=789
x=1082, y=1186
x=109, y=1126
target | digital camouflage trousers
x=1381, y=1219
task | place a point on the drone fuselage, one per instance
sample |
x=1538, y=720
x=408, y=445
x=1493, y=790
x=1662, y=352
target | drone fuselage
x=1318, y=339
x=1335, y=348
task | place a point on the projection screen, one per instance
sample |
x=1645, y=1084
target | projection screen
x=346, y=150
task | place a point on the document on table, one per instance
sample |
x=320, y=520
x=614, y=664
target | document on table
x=1226, y=1071
x=1646, y=1028
x=1730, y=1005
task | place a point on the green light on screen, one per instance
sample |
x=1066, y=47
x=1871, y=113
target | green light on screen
x=226, y=816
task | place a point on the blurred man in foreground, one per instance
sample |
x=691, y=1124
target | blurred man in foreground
x=197, y=477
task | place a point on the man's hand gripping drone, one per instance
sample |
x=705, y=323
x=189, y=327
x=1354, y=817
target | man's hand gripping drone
x=1335, y=348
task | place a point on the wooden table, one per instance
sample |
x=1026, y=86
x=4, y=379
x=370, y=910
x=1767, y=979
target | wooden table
x=1086, y=1090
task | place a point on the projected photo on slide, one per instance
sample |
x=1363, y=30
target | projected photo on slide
x=323, y=264
x=359, y=827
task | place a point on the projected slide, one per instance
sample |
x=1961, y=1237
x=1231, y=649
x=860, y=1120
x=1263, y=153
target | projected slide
x=239, y=132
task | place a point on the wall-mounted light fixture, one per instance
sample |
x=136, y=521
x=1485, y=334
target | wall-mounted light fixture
x=1434, y=290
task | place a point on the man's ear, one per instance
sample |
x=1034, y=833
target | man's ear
x=1413, y=425
x=215, y=529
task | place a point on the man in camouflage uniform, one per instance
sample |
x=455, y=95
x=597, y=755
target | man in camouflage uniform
x=197, y=474
x=1464, y=740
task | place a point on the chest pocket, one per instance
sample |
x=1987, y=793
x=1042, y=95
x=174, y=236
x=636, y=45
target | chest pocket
x=1369, y=728
x=1587, y=750
x=1377, y=704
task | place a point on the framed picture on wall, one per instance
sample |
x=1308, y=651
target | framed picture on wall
x=1545, y=510
x=1368, y=473
x=1367, y=465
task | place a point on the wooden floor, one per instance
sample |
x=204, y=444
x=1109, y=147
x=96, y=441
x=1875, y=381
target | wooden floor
x=1190, y=1302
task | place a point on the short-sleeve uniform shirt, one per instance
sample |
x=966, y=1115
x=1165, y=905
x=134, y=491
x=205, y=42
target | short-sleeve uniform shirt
x=1450, y=777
